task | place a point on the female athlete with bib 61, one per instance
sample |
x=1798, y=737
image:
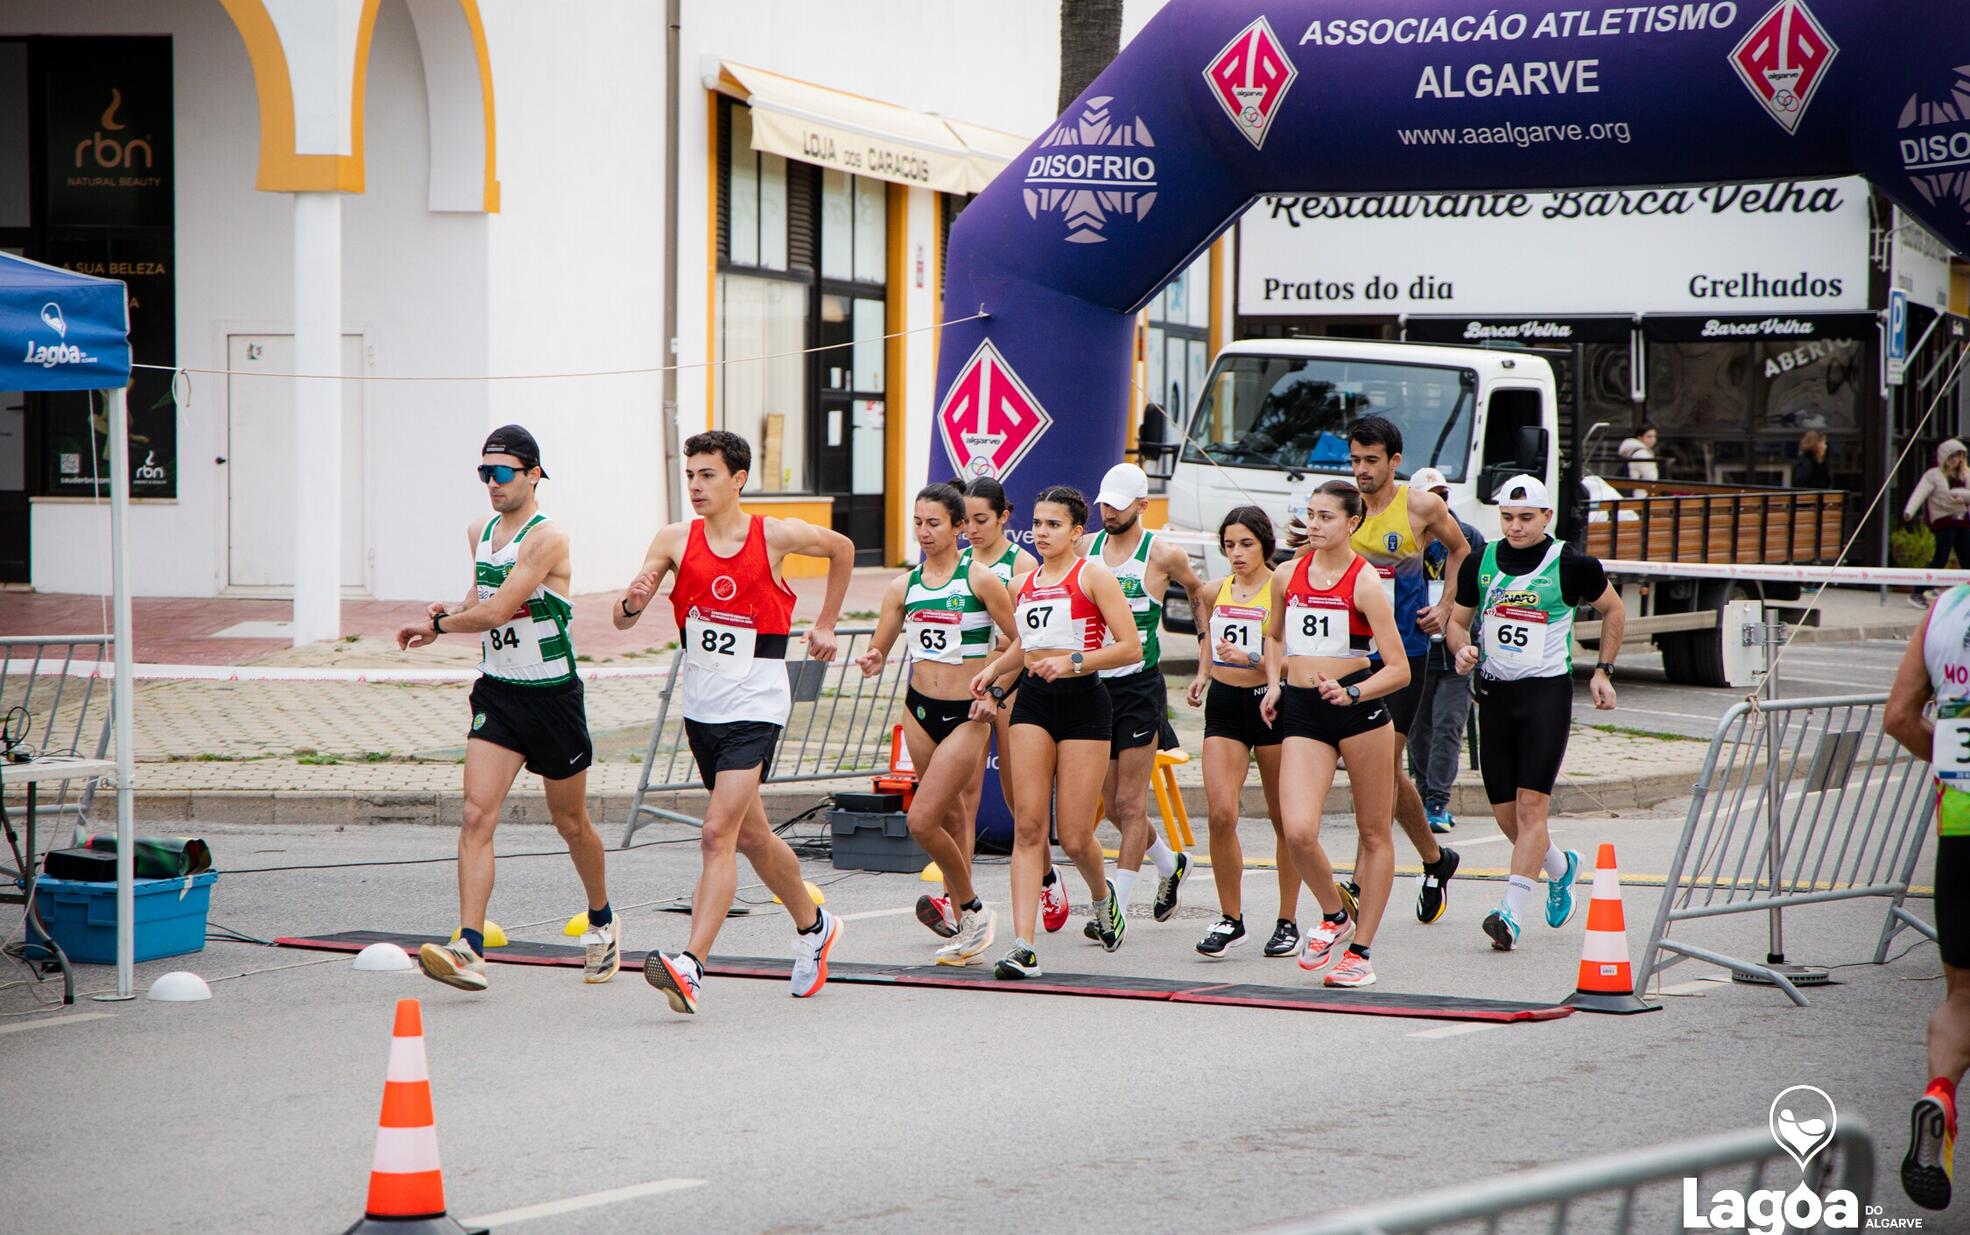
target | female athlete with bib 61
x=1071, y=621
x=945, y=610
x=1234, y=675
x=1327, y=697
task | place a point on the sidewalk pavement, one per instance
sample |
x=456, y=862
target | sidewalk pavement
x=343, y=753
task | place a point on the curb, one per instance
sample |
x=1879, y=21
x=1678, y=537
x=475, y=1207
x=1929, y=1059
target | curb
x=610, y=811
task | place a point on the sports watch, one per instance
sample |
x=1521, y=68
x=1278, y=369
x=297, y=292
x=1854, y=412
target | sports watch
x=1075, y=659
x=997, y=692
x=1607, y=667
x=1354, y=695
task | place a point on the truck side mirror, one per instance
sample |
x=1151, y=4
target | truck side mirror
x=1157, y=452
x=1533, y=445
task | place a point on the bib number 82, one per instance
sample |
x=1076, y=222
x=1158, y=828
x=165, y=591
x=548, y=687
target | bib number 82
x=718, y=642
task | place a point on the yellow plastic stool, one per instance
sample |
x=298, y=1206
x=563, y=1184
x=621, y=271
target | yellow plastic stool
x=1169, y=800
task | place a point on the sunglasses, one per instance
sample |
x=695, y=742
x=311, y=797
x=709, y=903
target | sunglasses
x=498, y=473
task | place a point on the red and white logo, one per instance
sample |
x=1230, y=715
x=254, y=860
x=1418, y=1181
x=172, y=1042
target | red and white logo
x=1249, y=79
x=988, y=419
x=724, y=588
x=1783, y=59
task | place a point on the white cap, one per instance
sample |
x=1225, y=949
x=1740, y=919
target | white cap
x=1124, y=485
x=1429, y=479
x=1524, y=491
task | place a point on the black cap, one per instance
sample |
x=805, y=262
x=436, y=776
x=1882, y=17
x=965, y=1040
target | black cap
x=516, y=441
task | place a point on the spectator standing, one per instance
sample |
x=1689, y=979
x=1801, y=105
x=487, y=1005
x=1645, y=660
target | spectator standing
x=1437, y=737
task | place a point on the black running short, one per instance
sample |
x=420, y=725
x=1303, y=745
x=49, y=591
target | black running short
x=939, y=717
x=1304, y=714
x=1140, y=704
x=1953, y=899
x=1404, y=704
x=1233, y=712
x=1522, y=732
x=731, y=747
x=1073, y=709
x=547, y=724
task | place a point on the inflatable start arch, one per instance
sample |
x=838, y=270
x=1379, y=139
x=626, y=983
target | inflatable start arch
x=1216, y=102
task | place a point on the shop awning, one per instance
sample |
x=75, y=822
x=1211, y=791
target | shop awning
x=1756, y=327
x=1528, y=330
x=867, y=137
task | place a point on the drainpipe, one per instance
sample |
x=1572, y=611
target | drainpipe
x=673, y=27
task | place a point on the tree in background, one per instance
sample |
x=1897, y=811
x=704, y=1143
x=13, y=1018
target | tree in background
x=1090, y=37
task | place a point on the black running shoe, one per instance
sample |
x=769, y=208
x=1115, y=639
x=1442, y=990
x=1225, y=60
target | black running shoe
x=1092, y=930
x=1433, y=901
x=1114, y=924
x=1926, y=1169
x=1285, y=940
x=1227, y=933
x=1165, y=906
x=1016, y=964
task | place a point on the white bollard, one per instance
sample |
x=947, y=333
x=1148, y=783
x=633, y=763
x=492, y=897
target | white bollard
x=179, y=986
x=383, y=958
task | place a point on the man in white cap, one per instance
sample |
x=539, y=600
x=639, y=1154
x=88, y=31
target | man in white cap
x=1145, y=567
x=1527, y=587
x=1436, y=736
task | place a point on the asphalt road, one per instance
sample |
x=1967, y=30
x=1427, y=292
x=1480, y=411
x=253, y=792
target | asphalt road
x=891, y=1109
x=1647, y=701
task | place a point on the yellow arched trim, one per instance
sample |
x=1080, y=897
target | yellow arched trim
x=282, y=168
x=478, y=28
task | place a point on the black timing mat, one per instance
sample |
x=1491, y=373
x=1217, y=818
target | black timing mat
x=979, y=977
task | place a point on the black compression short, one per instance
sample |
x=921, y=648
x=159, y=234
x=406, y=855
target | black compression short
x=1522, y=732
x=547, y=724
x=1072, y=709
x=1953, y=899
x=1304, y=714
x=1233, y=712
x=1139, y=703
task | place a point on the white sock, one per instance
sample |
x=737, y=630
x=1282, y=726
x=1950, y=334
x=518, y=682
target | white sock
x=1518, y=894
x=1163, y=856
x=1555, y=861
x=1124, y=883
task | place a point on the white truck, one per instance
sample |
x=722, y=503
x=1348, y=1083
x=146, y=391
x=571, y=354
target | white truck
x=1272, y=422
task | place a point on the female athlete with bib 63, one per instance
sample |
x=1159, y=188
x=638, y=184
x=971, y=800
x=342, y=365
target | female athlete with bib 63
x=1234, y=675
x=945, y=610
x=1068, y=611
x=1328, y=699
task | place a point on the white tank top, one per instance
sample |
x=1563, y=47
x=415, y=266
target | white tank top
x=1946, y=653
x=533, y=648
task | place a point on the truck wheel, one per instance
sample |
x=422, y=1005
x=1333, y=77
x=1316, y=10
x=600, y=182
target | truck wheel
x=1703, y=658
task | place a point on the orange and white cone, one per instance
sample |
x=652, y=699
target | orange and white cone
x=1607, y=982
x=406, y=1187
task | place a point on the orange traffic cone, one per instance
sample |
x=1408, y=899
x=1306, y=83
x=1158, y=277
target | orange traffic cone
x=1607, y=984
x=406, y=1188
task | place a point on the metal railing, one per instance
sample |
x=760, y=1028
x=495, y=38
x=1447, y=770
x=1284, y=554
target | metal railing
x=1800, y=802
x=1613, y=1193
x=839, y=726
x=67, y=706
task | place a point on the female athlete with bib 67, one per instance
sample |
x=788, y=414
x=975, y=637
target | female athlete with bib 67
x=1071, y=621
x=1327, y=697
x=945, y=610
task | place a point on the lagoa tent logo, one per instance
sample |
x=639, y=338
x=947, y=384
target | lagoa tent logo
x=1803, y=1122
x=64, y=352
x=1249, y=79
x=1091, y=170
x=1783, y=59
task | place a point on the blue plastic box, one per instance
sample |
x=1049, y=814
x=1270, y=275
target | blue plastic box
x=82, y=916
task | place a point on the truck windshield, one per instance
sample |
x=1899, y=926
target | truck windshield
x=1293, y=412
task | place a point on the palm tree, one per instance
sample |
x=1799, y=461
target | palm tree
x=1090, y=35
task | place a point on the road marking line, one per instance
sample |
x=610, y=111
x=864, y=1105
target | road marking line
x=1448, y=1031
x=72, y=1019
x=592, y=1200
x=1691, y=988
x=872, y=913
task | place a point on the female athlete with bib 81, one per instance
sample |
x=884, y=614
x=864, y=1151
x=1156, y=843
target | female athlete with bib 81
x=1071, y=621
x=945, y=609
x=1328, y=699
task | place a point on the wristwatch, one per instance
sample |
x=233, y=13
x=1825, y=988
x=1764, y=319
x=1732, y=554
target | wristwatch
x=1354, y=695
x=437, y=629
x=1075, y=659
x=1607, y=667
x=626, y=610
x=997, y=692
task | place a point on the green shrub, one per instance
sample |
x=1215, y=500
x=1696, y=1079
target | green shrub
x=1911, y=547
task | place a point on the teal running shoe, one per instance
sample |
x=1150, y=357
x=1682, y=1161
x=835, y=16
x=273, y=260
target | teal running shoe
x=1559, y=893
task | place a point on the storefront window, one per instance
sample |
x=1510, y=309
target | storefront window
x=1733, y=413
x=757, y=200
x=765, y=401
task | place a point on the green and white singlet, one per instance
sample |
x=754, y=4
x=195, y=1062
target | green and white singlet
x=946, y=624
x=534, y=647
x=1946, y=653
x=1147, y=609
x=1007, y=562
x=1528, y=626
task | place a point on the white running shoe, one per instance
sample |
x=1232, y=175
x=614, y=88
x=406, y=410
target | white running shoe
x=810, y=956
x=967, y=947
x=454, y=964
x=1324, y=942
x=677, y=977
x=602, y=951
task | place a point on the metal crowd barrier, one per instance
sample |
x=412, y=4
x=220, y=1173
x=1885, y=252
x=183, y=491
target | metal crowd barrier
x=1612, y=1193
x=1800, y=802
x=67, y=712
x=839, y=726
